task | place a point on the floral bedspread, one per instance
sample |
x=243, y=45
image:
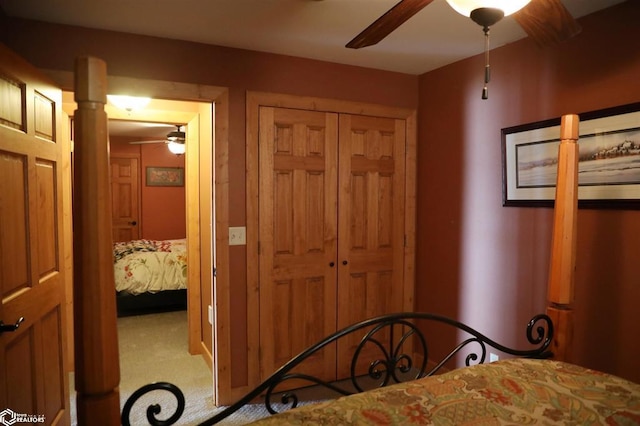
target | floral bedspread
x=514, y=391
x=150, y=266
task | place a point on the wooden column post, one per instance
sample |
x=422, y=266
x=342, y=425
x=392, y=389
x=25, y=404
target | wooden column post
x=563, y=244
x=96, y=342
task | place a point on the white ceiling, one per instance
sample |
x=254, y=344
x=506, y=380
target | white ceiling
x=317, y=29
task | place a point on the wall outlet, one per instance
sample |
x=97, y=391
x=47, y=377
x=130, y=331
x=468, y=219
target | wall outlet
x=210, y=314
x=493, y=357
x=237, y=236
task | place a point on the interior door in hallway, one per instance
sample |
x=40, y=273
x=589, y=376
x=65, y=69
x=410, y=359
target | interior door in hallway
x=125, y=198
x=371, y=225
x=297, y=234
x=34, y=172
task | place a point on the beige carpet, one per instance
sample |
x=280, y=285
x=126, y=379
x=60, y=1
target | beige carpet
x=153, y=348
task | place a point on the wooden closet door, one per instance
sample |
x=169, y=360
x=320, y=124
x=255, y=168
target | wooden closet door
x=34, y=171
x=371, y=223
x=297, y=236
x=125, y=198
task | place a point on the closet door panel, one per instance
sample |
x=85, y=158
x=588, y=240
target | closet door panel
x=371, y=225
x=297, y=236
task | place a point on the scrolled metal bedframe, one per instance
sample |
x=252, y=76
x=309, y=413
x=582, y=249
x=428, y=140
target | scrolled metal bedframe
x=390, y=335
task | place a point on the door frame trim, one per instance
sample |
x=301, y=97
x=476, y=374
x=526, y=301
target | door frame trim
x=254, y=100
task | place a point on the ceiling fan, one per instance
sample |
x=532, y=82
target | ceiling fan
x=175, y=140
x=547, y=22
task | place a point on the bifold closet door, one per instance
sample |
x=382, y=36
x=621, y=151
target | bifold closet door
x=297, y=236
x=371, y=212
x=331, y=231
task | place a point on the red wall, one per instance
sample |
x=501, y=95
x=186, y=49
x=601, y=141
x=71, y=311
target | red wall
x=163, y=207
x=163, y=212
x=483, y=263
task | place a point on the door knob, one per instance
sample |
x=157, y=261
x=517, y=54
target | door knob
x=344, y=262
x=133, y=222
x=332, y=264
x=10, y=327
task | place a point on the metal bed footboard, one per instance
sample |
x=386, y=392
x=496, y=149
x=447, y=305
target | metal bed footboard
x=392, y=336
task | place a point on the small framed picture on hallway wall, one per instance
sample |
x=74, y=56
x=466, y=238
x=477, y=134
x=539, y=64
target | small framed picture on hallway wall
x=165, y=176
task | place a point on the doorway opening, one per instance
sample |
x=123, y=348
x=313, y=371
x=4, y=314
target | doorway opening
x=175, y=199
x=207, y=201
x=148, y=205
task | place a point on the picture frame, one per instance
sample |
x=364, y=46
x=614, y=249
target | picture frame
x=165, y=176
x=608, y=168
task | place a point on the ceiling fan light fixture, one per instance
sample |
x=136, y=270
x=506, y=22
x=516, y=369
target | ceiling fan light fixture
x=176, y=147
x=175, y=140
x=486, y=16
x=176, y=136
x=465, y=7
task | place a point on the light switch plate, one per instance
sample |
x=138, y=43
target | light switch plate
x=237, y=236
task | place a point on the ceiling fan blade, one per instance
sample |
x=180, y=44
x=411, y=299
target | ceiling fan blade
x=387, y=23
x=146, y=142
x=547, y=22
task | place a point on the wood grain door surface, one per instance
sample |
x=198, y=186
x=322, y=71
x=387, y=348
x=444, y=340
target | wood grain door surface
x=371, y=227
x=331, y=230
x=33, y=376
x=298, y=229
x=125, y=198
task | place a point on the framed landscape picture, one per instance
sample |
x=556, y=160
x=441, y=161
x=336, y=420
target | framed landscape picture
x=608, y=170
x=165, y=176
